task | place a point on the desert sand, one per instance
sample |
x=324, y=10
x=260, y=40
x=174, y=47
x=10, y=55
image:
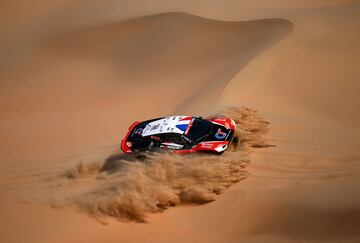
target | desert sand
x=74, y=75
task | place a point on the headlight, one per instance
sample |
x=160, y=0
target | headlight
x=129, y=144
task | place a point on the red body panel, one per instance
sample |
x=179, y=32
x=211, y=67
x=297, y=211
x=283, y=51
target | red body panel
x=124, y=147
x=204, y=146
x=226, y=122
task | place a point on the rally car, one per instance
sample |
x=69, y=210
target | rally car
x=179, y=134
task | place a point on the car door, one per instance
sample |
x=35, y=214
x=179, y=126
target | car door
x=173, y=141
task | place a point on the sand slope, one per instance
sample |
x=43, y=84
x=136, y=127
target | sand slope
x=79, y=81
x=78, y=86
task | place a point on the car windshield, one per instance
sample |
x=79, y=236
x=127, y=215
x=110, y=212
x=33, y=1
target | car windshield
x=199, y=130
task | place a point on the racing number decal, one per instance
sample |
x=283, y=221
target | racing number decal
x=220, y=134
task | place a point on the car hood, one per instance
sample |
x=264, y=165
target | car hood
x=172, y=124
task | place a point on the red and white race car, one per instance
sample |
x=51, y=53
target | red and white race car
x=180, y=134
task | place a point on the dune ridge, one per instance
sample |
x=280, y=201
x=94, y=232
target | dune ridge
x=74, y=75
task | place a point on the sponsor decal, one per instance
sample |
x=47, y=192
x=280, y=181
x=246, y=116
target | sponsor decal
x=147, y=128
x=155, y=127
x=171, y=146
x=220, y=134
x=138, y=131
x=206, y=145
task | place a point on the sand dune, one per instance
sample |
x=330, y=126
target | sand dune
x=74, y=75
x=164, y=58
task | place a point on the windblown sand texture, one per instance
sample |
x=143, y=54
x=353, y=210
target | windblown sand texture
x=74, y=75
